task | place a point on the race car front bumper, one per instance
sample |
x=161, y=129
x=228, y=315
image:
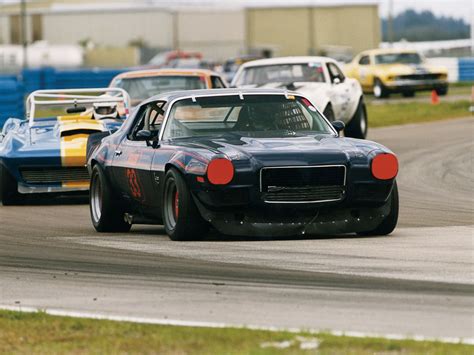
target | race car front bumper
x=41, y=188
x=320, y=221
x=415, y=85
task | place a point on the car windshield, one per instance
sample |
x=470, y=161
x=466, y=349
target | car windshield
x=282, y=73
x=249, y=115
x=398, y=58
x=140, y=89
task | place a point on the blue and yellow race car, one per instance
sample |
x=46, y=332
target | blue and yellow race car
x=46, y=152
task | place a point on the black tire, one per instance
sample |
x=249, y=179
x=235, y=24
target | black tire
x=379, y=90
x=390, y=222
x=329, y=113
x=181, y=218
x=408, y=94
x=358, y=125
x=107, y=211
x=442, y=91
x=9, y=194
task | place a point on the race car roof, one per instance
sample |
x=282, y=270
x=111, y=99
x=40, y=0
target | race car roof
x=165, y=72
x=176, y=95
x=387, y=51
x=286, y=60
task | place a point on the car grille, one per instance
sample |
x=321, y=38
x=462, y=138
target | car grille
x=53, y=175
x=303, y=184
x=419, y=77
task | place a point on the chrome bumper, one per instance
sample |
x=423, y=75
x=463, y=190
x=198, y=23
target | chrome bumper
x=415, y=83
x=39, y=189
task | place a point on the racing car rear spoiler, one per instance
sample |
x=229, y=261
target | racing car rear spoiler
x=61, y=97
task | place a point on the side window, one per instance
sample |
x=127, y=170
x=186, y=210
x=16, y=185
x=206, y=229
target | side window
x=217, y=83
x=335, y=72
x=149, y=117
x=364, y=60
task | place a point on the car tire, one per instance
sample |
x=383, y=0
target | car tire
x=358, y=125
x=408, y=94
x=390, y=221
x=9, y=194
x=181, y=217
x=379, y=89
x=107, y=211
x=329, y=113
x=442, y=91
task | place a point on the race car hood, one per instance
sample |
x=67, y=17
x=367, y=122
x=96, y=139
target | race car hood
x=408, y=69
x=64, y=138
x=296, y=150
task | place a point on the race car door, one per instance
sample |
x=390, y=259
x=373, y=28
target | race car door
x=340, y=92
x=364, y=71
x=134, y=156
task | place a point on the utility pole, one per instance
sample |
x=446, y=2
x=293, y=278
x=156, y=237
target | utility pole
x=390, y=22
x=24, y=35
x=472, y=29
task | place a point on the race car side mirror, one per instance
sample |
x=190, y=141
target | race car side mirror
x=336, y=81
x=148, y=136
x=143, y=135
x=338, y=126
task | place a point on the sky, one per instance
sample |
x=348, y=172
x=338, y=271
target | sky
x=455, y=8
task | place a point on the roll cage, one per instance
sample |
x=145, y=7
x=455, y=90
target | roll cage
x=61, y=97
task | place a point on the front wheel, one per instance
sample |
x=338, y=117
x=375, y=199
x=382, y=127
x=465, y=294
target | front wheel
x=442, y=91
x=107, y=211
x=379, y=89
x=181, y=218
x=329, y=113
x=390, y=221
x=9, y=194
x=358, y=125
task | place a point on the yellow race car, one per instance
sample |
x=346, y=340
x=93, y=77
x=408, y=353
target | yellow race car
x=386, y=71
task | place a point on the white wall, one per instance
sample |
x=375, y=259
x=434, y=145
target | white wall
x=218, y=34
x=111, y=28
x=450, y=63
x=4, y=30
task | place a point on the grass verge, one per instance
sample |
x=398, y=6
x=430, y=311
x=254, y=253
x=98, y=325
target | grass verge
x=42, y=333
x=415, y=112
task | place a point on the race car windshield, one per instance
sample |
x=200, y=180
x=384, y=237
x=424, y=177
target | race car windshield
x=398, y=58
x=282, y=73
x=140, y=89
x=251, y=115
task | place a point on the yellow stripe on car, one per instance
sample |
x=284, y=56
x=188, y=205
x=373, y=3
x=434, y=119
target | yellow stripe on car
x=73, y=145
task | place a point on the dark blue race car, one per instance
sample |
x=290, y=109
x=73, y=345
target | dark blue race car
x=243, y=161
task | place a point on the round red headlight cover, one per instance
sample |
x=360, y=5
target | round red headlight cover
x=220, y=171
x=385, y=166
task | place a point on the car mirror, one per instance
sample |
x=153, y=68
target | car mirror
x=143, y=135
x=338, y=126
x=336, y=81
x=150, y=137
x=76, y=109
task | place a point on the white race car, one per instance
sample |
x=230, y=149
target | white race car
x=318, y=78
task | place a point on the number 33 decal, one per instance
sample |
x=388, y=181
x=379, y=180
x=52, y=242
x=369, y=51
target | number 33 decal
x=134, y=183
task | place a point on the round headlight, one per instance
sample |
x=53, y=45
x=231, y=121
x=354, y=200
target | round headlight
x=220, y=171
x=385, y=166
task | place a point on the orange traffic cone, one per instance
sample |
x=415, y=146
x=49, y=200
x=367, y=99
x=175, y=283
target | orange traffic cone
x=434, y=98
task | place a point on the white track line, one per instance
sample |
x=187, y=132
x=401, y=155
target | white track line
x=184, y=323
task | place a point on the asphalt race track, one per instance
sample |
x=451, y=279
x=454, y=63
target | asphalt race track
x=418, y=281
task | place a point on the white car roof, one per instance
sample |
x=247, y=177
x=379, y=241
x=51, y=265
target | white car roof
x=287, y=60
